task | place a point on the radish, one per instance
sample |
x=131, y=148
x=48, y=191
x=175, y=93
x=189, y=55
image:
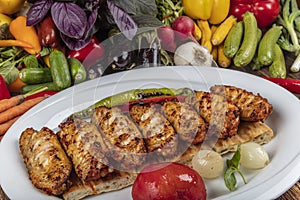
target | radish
x=166, y=36
x=184, y=27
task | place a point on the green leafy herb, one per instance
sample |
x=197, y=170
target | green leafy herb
x=232, y=168
x=31, y=61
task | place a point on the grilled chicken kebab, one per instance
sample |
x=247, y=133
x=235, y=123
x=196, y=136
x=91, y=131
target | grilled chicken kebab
x=117, y=140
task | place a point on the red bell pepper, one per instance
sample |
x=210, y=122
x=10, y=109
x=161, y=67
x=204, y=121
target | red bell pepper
x=4, y=93
x=265, y=11
x=292, y=85
x=89, y=54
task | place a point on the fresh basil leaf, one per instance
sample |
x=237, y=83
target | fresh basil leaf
x=38, y=11
x=9, y=72
x=92, y=19
x=137, y=7
x=45, y=51
x=69, y=18
x=31, y=62
x=229, y=178
x=124, y=22
x=9, y=52
x=73, y=43
x=235, y=160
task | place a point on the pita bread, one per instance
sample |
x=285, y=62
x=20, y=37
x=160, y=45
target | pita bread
x=248, y=131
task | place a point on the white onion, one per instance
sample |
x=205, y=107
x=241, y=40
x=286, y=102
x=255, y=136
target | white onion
x=192, y=54
x=209, y=164
x=253, y=156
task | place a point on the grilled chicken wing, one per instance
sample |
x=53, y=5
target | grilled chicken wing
x=48, y=166
x=159, y=135
x=252, y=107
x=84, y=145
x=127, y=146
x=221, y=115
x=187, y=122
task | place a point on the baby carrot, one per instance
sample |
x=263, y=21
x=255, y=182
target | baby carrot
x=11, y=102
x=5, y=126
x=18, y=43
x=19, y=109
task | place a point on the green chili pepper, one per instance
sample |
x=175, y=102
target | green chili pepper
x=131, y=95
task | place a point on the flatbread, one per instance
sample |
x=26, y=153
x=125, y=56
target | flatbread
x=248, y=131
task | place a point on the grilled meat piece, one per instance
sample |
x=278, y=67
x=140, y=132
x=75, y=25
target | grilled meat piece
x=221, y=115
x=123, y=137
x=252, y=107
x=48, y=166
x=159, y=135
x=185, y=119
x=85, y=146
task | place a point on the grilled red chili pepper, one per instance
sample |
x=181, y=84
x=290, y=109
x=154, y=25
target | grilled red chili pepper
x=265, y=11
x=292, y=85
x=4, y=93
x=89, y=54
x=41, y=94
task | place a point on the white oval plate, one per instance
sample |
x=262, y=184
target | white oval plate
x=268, y=183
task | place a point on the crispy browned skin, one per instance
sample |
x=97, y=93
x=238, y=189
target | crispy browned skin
x=48, y=166
x=221, y=115
x=84, y=145
x=123, y=137
x=159, y=135
x=252, y=107
x=187, y=122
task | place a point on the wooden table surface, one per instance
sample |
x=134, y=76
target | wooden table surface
x=294, y=192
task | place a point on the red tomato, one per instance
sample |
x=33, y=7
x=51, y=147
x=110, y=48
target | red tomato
x=265, y=11
x=168, y=181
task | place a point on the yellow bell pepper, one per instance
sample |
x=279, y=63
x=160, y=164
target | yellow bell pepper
x=215, y=11
x=219, y=11
x=198, y=9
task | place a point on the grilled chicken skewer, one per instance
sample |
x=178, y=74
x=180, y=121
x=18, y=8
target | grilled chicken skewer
x=221, y=115
x=159, y=135
x=48, y=166
x=189, y=125
x=252, y=107
x=85, y=146
x=127, y=147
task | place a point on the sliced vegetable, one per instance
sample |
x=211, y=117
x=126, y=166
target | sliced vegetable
x=253, y=156
x=293, y=85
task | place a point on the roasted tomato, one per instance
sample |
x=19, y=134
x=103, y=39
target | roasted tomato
x=168, y=181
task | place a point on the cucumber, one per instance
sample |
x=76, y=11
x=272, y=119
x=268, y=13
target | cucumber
x=233, y=40
x=28, y=88
x=35, y=75
x=267, y=45
x=60, y=69
x=78, y=72
x=248, y=47
x=278, y=68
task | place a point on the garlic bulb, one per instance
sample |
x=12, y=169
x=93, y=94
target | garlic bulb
x=253, y=156
x=192, y=54
x=209, y=164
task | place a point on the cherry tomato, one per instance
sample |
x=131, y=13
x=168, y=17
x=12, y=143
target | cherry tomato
x=168, y=181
